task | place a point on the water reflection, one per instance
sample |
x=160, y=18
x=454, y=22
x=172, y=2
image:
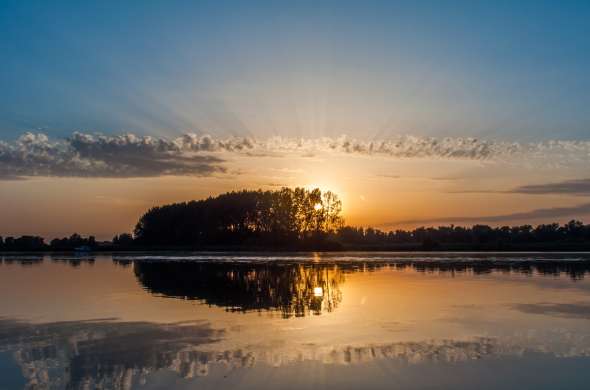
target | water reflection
x=302, y=288
x=98, y=354
x=22, y=260
x=292, y=289
x=575, y=269
x=427, y=321
x=575, y=265
x=106, y=354
x=579, y=310
x=73, y=260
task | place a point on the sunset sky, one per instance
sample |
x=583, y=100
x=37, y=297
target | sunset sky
x=414, y=112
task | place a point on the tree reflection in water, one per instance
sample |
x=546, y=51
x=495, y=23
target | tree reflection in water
x=305, y=287
x=292, y=289
x=112, y=354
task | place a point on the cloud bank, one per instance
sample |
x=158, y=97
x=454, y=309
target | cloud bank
x=547, y=213
x=129, y=155
x=569, y=187
x=84, y=155
x=401, y=146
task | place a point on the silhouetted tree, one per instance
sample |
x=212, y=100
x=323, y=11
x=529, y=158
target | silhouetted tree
x=73, y=242
x=476, y=237
x=9, y=243
x=24, y=243
x=123, y=240
x=245, y=217
x=303, y=219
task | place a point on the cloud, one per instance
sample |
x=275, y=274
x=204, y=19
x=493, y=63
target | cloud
x=84, y=155
x=554, y=212
x=129, y=155
x=405, y=146
x=386, y=176
x=570, y=187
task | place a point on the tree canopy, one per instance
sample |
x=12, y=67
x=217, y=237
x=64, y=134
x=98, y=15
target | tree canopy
x=300, y=219
x=242, y=217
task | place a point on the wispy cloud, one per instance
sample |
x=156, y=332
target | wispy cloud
x=569, y=187
x=387, y=176
x=404, y=146
x=547, y=213
x=128, y=155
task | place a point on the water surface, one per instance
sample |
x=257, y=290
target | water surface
x=315, y=320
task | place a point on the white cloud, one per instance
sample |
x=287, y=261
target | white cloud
x=129, y=155
x=85, y=155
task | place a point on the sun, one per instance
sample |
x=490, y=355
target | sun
x=318, y=206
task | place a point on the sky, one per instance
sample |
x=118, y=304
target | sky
x=414, y=112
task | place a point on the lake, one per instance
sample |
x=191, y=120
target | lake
x=295, y=321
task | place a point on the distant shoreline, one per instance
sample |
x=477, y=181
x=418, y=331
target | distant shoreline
x=299, y=220
x=548, y=248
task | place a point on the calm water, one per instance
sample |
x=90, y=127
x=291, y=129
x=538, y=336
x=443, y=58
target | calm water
x=354, y=320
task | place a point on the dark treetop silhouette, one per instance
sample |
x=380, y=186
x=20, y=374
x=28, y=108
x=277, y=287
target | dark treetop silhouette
x=245, y=217
x=300, y=219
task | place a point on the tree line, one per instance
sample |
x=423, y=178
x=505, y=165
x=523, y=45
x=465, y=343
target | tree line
x=574, y=233
x=300, y=219
x=243, y=218
x=37, y=243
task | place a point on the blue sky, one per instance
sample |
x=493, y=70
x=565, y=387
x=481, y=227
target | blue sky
x=139, y=103
x=494, y=69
